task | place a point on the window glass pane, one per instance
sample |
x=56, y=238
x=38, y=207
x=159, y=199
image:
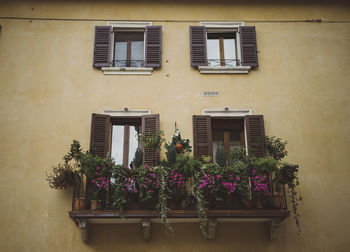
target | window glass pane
x=213, y=52
x=230, y=52
x=120, y=51
x=218, y=140
x=136, y=53
x=235, y=139
x=133, y=143
x=117, y=143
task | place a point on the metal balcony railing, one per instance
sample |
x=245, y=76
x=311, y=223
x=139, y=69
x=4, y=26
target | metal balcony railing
x=223, y=62
x=128, y=63
x=276, y=200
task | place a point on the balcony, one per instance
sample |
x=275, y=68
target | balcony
x=271, y=209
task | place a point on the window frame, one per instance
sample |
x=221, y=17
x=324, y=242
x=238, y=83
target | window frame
x=227, y=27
x=125, y=121
x=129, y=27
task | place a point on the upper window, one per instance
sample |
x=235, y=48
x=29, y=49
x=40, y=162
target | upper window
x=128, y=49
x=223, y=47
x=128, y=46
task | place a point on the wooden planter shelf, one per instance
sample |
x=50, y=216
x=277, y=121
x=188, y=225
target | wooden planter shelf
x=83, y=218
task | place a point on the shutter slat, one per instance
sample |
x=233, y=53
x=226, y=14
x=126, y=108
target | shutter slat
x=99, y=138
x=150, y=124
x=202, y=141
x=153, y=53
x=248, y=46
x=102, y=46
x=198, y=45
x=255, y=135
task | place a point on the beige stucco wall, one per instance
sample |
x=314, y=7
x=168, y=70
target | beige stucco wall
x=49, y=90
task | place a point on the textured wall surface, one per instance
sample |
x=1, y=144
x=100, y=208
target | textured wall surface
x=49, y=90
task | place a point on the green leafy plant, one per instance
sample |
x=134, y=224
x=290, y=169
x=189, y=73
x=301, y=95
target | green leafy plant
x=125, y=188
x=138, y=159
x=289, y=176
x=170, y=153
x=185, y=143
x=276, y=148
x=152, y=139
x=162, y=204
x=201, y=202
x=61, y=176
x=149, y=184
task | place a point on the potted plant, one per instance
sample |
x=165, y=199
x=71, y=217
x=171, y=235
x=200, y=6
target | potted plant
x=176, y=188
x=152, y=139
x=260, y=188
x=125, y=188
x=149, y=184
x=100, y=183
x=238, y=164
x=61, y=176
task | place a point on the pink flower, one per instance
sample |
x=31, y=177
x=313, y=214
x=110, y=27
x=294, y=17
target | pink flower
x=97, y=168
x=92, y=181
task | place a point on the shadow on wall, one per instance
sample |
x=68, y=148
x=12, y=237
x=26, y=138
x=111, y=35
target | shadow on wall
x=186, y=237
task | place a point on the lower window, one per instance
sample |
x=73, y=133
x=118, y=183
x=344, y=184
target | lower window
x=227, y=134
x=124, y=143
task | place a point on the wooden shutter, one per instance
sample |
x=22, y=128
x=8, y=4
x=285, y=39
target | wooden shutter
x=100, y=131
x=150, y=124
x=202, y=140
x=255, y=135
x=102, y=46
x=198, y=45
x=153, y=54
x=248, y=46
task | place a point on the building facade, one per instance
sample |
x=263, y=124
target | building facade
x=62, y=61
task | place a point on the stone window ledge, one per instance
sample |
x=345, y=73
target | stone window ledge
x=225, y=70
x=127, y=70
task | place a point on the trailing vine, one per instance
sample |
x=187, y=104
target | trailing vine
x=162, y=205
x=201, y=204
x=290, y=174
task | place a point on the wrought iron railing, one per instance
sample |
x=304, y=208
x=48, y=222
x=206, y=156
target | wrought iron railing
x=128, y=63
x=223, y=62
x=276, y=198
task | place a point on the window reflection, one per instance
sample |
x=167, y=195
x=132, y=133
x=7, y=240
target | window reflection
x=117, y=144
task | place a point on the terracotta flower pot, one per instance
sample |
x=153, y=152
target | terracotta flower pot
x=93, y=204
x=173, y=204
x=178, y=147
x=79, y=203
x=277, y=199
x=258, y=204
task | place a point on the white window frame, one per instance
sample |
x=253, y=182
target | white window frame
x=127, y=26
x=231, y=27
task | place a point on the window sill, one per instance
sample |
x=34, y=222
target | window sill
x=127, y=70
x=225, y=70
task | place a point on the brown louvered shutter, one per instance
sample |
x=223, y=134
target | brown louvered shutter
x=99, y=138
x=102, y=46
x=202, y=140
x=198, y=45
x=255, y=135
x=150, y=124
x=153, y=54
x=248, y=46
